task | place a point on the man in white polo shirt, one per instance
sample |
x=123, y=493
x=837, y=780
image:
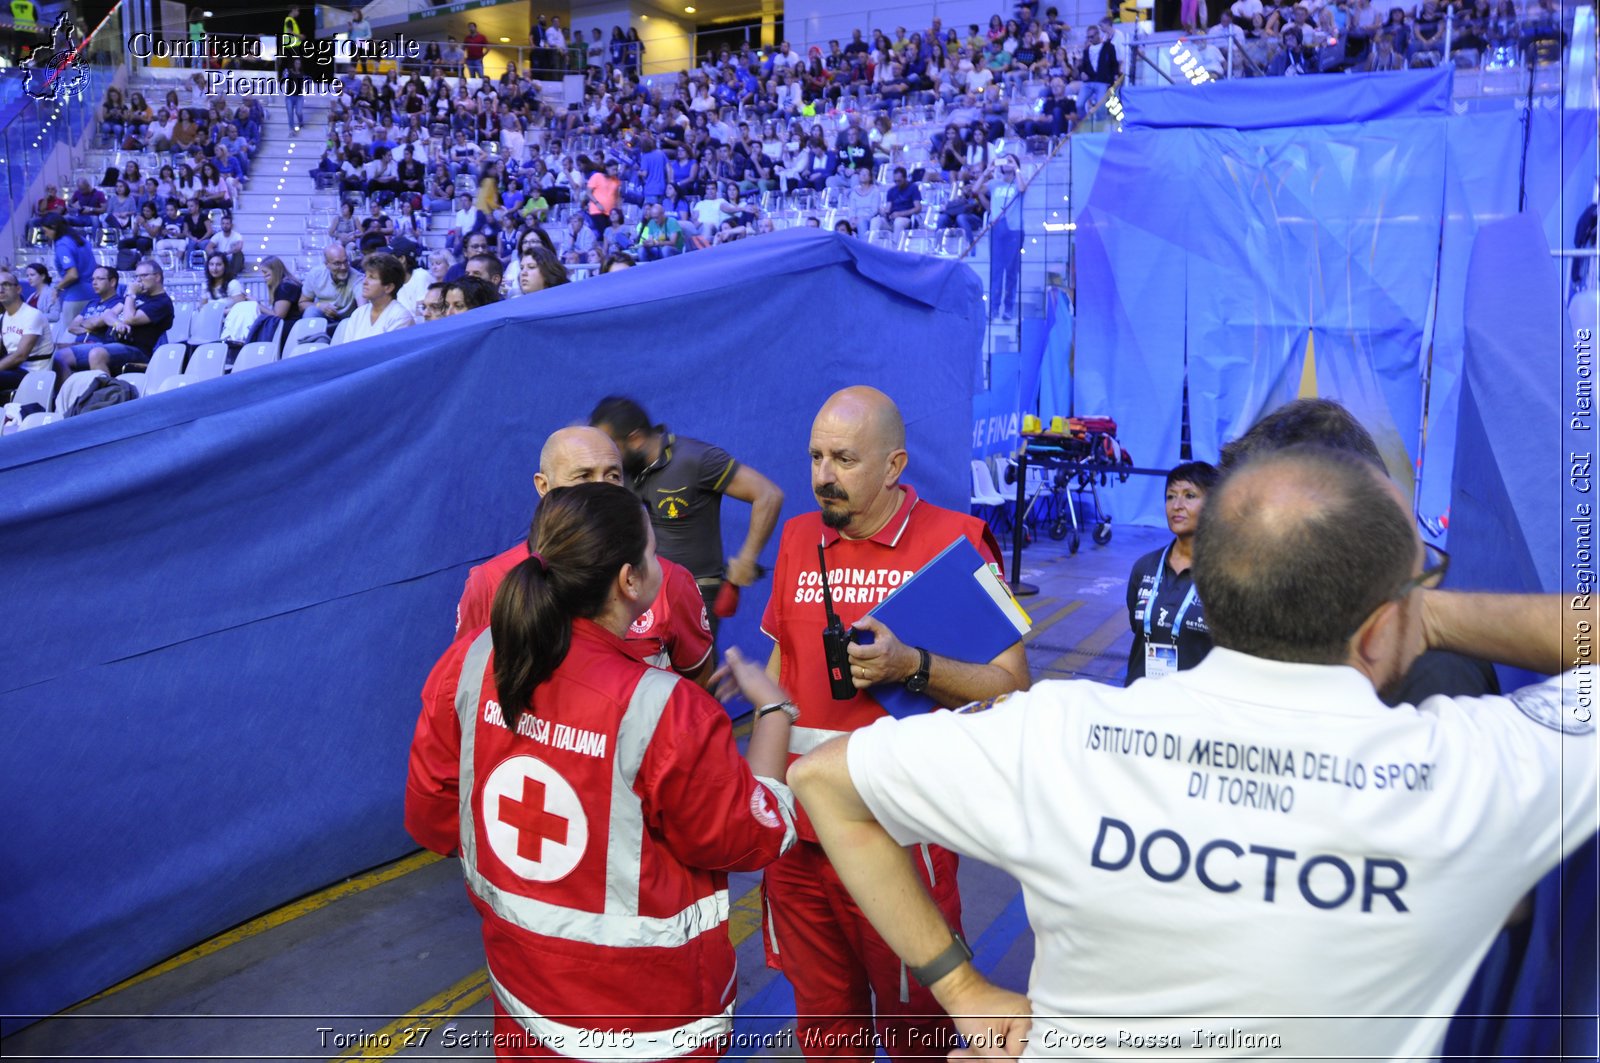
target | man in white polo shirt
x=1258, y=845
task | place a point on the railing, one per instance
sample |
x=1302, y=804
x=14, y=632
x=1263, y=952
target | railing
x=31, y=129
x=1171, y=57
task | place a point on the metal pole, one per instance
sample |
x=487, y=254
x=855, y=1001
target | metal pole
x=1449, y=31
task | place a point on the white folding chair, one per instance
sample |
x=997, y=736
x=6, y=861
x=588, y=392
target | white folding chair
x=136, y=379
x=38, y=386
x=255, y=355
x=165, y=363
x=207, y=362
x=305, y=329
x=172, y=383
x=34, y=420
x=984, y=493
x=206, y=327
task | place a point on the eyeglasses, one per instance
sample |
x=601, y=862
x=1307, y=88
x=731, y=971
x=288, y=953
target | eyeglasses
x=1435, y=565
x=144, y=276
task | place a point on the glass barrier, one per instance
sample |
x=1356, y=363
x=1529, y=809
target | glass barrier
x=32, y=127
x=1533, y=39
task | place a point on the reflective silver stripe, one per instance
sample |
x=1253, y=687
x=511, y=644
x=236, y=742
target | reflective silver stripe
x=803, y=740
x=772, y=928
x=905, y=984
x=625, y=844
x=785, y=798
x=624, y=930
x=469, y=691
x=927, y=862
x=578, y=1043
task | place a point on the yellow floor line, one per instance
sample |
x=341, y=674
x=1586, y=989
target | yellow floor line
x=744, y=919
x=412, y=1031
x=1092, y=645
x=287, y=914
x=1048, y=622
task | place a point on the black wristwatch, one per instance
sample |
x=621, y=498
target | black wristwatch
x=917, y=681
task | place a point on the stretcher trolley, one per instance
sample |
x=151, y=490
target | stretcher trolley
x=1082, y=455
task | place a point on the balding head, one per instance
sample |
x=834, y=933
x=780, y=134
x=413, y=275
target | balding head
x=874, y=414
x=576, y=455
x=1296, y=549
x=858, y=451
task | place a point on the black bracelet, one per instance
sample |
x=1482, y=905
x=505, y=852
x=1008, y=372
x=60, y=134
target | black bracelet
x=942, y=964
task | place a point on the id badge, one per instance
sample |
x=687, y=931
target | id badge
x=1159, y=660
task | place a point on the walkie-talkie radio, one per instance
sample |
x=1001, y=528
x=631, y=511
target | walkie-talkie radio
x=836, y=640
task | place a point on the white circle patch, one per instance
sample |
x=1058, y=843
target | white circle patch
x=534, y=820
x=1555, y=707
x=761, y=809
x=646, y=620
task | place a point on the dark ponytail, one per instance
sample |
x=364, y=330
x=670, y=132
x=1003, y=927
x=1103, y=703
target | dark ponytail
x=580, y=539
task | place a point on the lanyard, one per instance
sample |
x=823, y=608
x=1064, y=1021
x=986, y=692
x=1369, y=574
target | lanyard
x=1155, y=589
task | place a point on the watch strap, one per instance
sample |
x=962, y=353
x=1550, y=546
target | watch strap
x=942, y=964
x=788, y=708
x=918, y=680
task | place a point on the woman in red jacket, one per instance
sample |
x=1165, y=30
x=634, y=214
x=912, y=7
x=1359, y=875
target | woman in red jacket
x=597, y=803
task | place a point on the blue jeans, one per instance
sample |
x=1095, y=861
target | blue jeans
x=295, y=106
x=1005, y=266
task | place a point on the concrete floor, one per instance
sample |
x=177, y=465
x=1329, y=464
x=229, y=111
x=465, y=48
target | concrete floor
x=390, y=964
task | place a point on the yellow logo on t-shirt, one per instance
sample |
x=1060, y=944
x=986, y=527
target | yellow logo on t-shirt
x=672, y=507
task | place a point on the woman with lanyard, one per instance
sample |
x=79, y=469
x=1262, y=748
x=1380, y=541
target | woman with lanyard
x=597, y=803
x=1169, y=624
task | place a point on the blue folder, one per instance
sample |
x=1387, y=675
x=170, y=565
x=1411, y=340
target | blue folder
x=955, y=606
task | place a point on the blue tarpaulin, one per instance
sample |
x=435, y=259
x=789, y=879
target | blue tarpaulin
x=226, y=598
x=1326, y=260
x=1268, y=103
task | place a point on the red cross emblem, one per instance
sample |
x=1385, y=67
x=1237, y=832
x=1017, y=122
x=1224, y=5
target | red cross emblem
x=533, y=823
x=533, y=819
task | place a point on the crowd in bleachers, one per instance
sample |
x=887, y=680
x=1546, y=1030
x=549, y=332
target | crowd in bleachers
x=449, y=190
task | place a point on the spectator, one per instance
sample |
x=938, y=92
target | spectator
x=88, y=205
x=619, y=261
x=27, y=337
x=432, y=305
x=141, y=324
x=1097, y=70
x=902, y=204
x=222, y=287
x=540, y=269
x=228, y=243
x=469, y=222
x=92, y=326
x=866, y=200
x=477, y=244
x=487, y=268
x=477, y=46
x=383, y=275
x=468, y=293
x=44, y=298
x=580, y=243
x=329, y=290
x=74, y=261
x=660, y=236
x=284, y=290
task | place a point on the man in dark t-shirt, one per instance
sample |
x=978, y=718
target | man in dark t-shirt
x=682, y=480
x=141, y=321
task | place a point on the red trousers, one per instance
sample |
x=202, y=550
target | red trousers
x=839, y=965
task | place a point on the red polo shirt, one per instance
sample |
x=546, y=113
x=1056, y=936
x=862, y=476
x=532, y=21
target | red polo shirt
x=673, y=633
x=861, y=573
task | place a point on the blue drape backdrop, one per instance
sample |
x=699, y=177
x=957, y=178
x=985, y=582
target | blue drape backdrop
x=226, y=597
